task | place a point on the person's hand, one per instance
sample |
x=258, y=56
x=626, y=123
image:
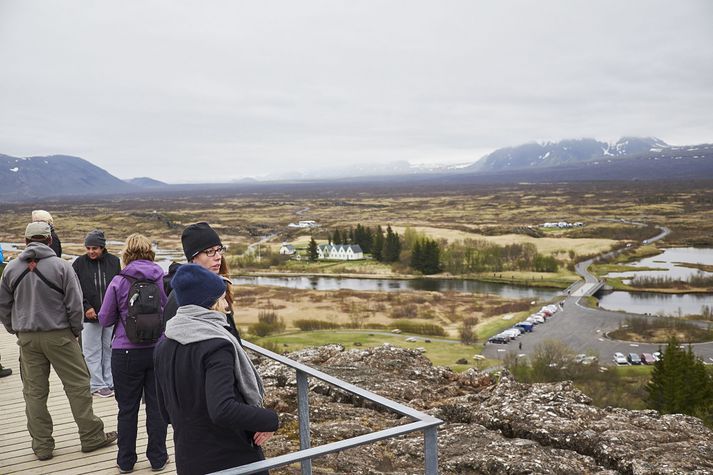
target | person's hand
x=91, y=314
x=261, y=437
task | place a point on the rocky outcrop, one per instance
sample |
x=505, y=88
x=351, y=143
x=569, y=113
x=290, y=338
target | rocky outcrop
x=493, y=427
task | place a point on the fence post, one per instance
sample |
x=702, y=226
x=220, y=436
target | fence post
x=430, y=446
x=303, y=413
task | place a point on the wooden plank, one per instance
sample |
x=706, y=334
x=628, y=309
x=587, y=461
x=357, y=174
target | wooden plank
x=16, y=456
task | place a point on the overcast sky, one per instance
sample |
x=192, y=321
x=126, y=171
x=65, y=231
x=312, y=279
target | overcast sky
x=213, y=90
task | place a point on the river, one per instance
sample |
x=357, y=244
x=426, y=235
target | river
x=396, y=285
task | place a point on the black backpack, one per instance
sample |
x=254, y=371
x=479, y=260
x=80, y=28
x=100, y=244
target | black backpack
x=144, y=323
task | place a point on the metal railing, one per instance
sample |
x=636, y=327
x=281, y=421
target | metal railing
x=423, y=422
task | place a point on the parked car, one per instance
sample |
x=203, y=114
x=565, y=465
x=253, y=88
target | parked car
x=657, y=355
x=512, y=333
x=620, y=359
x=536, y=318
x=647, y=358
x=499, y=339
x=633, y=358
x=527, y=326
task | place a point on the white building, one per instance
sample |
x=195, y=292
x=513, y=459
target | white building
x=340, y=252
x=303, y=224
x=287, y=249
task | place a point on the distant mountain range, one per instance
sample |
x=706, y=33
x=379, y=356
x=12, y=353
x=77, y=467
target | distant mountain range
x=630, y=158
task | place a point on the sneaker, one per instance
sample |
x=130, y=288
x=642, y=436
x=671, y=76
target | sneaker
x=5, y=372
x=110, y=438
x=158, y=469
x=124, y=470
x=103, y=392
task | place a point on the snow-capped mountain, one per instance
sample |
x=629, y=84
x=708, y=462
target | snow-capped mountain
x=56, y=175
x=548, y=154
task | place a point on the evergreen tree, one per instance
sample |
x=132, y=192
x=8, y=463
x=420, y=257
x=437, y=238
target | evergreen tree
x=392, y=246
x=377, y=246
x=351, y=236
x=312, y=253
x=425, y=256
x=431, y=255
x=417, y=256
x=336, y=237
x=680, y=383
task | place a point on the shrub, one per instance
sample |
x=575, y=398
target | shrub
x=314, y=324
x=419, y=328
x=410, y=310
x=268, y=323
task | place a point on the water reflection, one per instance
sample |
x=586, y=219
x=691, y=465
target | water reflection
x=669, y=263
x=395, y=285
x=654, y=303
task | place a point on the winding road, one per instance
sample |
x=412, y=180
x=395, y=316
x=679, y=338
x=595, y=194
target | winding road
x=583, y=329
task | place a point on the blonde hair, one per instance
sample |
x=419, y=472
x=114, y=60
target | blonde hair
x=137, y=246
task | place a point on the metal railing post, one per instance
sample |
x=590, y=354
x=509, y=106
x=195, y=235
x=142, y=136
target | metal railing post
x=430, y=445
x=303, y=415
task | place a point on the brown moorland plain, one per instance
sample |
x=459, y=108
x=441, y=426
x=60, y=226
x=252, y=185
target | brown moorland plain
x=243, y=217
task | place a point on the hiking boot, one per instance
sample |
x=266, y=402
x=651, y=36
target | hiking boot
x=110, y=438
x=5, y=372
x=103, y=392
x=124, y=470
x=43, y=455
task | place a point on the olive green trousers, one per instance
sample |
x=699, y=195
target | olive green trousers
x=59, y=348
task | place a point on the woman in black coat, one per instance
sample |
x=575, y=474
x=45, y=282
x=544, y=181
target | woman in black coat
x=208, y=389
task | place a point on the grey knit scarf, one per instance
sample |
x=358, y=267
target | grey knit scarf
x=193, y=324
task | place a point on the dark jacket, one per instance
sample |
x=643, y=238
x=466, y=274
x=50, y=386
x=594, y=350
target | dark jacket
x=167, y=278
x=198, y=395
x=169, y=311
x=56, y=244
x=94, y=277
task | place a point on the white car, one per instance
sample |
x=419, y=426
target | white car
x=536, y=318
x=620, y=359
x=511, y=333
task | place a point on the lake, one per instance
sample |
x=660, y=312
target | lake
x=670, y=263
x=654, y=303
x=396, y=285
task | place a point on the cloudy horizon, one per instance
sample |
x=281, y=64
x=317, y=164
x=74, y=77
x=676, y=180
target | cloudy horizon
x=214, y=91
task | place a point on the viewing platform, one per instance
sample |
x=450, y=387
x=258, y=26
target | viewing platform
x=16, y=456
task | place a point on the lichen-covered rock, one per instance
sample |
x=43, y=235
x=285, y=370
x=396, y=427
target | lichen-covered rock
x=499, y=428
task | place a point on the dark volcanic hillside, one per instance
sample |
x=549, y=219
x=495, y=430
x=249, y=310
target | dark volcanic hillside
x=55, y=175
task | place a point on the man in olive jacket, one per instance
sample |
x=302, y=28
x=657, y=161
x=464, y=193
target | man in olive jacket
x=41, y=303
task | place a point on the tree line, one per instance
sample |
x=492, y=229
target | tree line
x=430, y=256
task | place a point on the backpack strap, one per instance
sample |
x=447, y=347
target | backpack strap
x=32, y=267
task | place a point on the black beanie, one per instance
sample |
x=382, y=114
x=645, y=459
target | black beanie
x=196, y=285
x=95, y=239
x=198, y=237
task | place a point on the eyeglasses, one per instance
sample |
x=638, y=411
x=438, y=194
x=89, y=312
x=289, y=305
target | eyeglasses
x=212, y=252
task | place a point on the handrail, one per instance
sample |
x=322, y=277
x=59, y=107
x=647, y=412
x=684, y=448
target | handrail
x=423, y=422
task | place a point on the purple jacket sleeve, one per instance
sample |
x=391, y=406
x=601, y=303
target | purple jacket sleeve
x=109, y=312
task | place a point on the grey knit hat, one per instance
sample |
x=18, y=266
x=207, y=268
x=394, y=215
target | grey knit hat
x=95, y=239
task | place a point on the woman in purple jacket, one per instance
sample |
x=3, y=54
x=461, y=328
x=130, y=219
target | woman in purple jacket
x=132, y=363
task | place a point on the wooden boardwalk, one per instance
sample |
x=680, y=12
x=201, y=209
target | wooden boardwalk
x=16, y=454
